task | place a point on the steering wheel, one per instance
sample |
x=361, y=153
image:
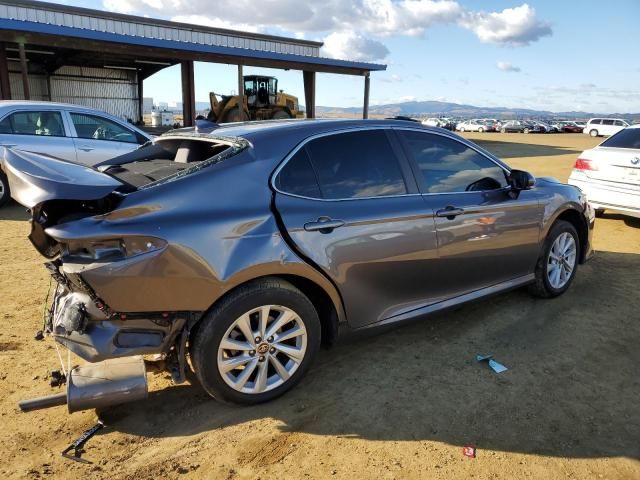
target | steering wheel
x=485, y=183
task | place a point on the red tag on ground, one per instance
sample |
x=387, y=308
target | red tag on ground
x=469, y=451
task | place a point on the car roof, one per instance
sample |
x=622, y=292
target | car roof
x=274, y=139
x=42, y=103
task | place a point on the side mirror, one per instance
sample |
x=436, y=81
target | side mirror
x=521, y=180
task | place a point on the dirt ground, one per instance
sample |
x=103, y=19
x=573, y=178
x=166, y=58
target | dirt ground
x=399, y=404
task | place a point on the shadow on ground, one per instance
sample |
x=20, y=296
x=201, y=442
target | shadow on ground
x=505, y=149
x=13, y=211
x=571, y=390
x=628, y=221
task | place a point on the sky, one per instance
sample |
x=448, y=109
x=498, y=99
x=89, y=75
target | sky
x=545, y=54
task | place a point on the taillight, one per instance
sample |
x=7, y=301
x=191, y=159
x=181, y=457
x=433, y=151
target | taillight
x=584, y=164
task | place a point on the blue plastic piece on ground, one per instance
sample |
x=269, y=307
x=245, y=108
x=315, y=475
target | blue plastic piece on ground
x=495, y=366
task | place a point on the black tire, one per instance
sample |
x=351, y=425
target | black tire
x=542, y=287
x=210, y=331
x=280, y=115
x=5, y=194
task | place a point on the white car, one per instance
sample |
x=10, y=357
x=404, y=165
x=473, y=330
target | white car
x=471, y=126
x=604, y=126
x=609, y=174
x=432, y=122
x=69, y=132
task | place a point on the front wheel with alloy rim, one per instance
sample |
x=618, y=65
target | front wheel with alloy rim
x=593, y=133
x=556, y=267
x=4, y=189
x=256, y=343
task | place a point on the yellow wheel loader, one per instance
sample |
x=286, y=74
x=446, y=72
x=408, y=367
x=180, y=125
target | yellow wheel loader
x=261, y=101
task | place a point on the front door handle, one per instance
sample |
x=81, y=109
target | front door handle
x=86, y=148
x=323, y=225
x=449, y=212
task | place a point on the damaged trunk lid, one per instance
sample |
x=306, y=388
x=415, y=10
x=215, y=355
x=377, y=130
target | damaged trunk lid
x=53, y=189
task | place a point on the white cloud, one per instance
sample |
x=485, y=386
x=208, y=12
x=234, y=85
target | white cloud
x=353, y=46
x=507, y=67
x=353, y=22
x=517, y=26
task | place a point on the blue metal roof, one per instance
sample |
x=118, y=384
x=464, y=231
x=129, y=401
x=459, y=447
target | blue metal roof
x=87, y=34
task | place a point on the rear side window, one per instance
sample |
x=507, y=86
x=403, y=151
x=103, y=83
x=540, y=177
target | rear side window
x=33, y=123
x=298, y=178
x=627, y=138
x=449, y=166
x=98, y=128
x=355, y=165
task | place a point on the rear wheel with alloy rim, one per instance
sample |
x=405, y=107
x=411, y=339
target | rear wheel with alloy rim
x=593, y=133
x=256, y=343
x=556, y=267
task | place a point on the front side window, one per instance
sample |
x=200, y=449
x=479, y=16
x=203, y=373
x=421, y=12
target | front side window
x=99, y=128
x=597, y=121
x=449, y=166
x=33, y=123
x=356, y=165
x=627, y=138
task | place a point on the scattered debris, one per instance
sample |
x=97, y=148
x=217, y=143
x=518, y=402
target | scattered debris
x=495, y=366
x=39, y=335
x=469, y=451
x=78, y=445
x=57, y=378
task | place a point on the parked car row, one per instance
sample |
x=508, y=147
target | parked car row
x=594, y=127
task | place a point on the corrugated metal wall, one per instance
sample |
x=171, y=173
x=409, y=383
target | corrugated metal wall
x=37, y=87
x=110, y=90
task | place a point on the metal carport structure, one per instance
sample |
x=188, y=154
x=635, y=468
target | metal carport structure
x=57, y=42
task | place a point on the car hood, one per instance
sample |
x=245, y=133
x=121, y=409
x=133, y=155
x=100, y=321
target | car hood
x=35, y=178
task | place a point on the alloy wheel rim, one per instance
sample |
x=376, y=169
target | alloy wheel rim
x=561, y=260
x=1, y=189
x=262, y=349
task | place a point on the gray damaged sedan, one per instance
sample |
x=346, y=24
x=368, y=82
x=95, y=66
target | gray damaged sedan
x=241, y=249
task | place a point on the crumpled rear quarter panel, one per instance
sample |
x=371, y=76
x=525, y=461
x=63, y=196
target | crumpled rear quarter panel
x=219, y=231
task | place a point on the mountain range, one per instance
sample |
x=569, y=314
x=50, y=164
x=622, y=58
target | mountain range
x=446, y=109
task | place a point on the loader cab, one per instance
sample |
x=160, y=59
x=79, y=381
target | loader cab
x=260, y=91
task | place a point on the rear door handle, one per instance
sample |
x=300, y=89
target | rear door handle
x=323, y=225
x=449, y=212
x=85, y=148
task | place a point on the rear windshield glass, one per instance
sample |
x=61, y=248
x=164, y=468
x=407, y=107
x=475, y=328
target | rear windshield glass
x=627, y=138
x=169, y=159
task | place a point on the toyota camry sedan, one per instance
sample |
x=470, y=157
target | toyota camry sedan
x=237, y=251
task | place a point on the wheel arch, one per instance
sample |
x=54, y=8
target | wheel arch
x=329, y=312
x=575, y=218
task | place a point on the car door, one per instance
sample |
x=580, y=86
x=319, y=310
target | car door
x=98, y=138
x=350, y=206
x=39, y=131
x=485, y=236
